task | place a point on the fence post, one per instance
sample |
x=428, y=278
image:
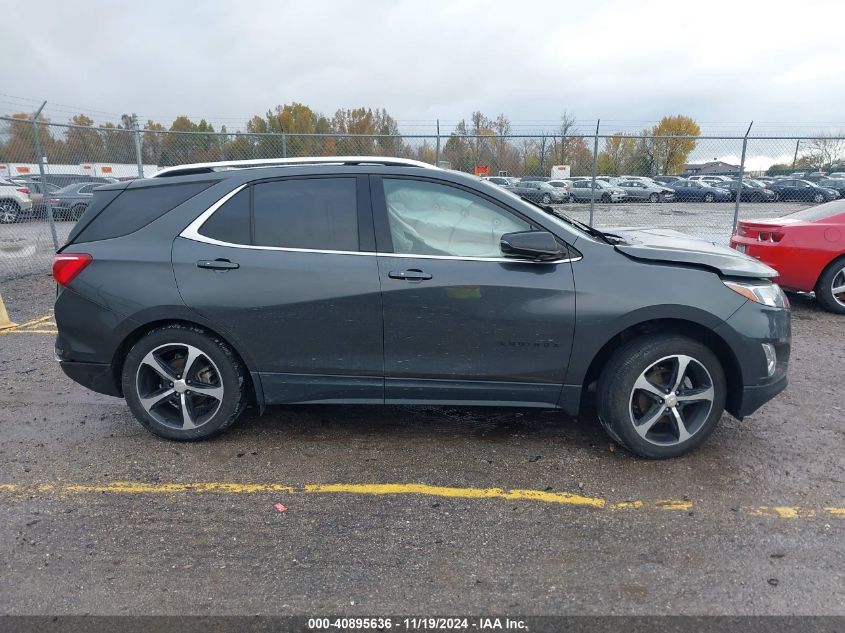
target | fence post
x=136, y=133
x=741, y=170
x=595, y=161
x=795, y=157
x=437, y=150
x=39, y=156
x=284, y=145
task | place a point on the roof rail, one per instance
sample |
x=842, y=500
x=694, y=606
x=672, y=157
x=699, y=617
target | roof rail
x=200, y=168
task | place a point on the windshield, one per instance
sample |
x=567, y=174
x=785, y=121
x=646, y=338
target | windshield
x=558, y=218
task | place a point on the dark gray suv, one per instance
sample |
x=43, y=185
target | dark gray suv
x=369, y=280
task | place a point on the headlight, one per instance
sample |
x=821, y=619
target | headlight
x=767, y=294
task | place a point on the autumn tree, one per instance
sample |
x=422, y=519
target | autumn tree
x=825, y=152
x=671, y=142
x=83, y=143
x=618, y=156
x=19, y=143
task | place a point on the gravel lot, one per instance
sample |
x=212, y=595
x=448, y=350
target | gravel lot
x=752, y=523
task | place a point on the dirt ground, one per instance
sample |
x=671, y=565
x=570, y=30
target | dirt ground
x=413, y=510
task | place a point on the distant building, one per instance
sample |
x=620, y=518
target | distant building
x=715, y=167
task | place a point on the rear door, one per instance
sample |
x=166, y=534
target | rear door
x=462, y=323
x=287, y=268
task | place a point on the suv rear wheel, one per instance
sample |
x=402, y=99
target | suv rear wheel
x=660, y=396
x=183, y=384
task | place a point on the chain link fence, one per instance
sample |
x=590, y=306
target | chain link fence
x=48, y=171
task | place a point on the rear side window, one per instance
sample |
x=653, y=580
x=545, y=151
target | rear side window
x=230, y=223
x=309, y=213
x=134, y=209
x=313, y=213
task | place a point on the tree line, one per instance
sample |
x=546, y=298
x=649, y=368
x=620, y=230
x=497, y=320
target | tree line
x=295, y=129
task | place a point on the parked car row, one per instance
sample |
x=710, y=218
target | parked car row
x=25, y=198
x=698, y=188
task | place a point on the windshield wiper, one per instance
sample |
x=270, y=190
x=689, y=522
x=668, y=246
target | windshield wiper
x=608, y=238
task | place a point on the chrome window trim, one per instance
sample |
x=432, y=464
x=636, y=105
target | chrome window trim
x=191, y=232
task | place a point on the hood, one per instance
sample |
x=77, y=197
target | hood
x=666, y=245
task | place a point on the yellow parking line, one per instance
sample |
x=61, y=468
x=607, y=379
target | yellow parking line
x=464, y=493
x=783, y=512
x=41, y=325
x=416, y=489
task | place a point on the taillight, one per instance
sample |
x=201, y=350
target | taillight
x=23, y=189
x=67, y=266
x=54, y=201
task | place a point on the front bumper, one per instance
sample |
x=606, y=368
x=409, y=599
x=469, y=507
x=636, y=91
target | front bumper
x=755, y=396
x=746, y=331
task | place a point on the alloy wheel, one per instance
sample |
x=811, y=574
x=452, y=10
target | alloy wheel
x=671, y=400
x=8, y=213
x=837, y=287
x=179, y=386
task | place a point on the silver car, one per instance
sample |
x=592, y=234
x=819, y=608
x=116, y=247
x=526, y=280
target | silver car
x=646, y=190
x=581, y=191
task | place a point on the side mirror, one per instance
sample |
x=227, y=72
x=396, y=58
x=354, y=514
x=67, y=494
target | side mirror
x=538, y=246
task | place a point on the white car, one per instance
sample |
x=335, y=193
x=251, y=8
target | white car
x=566, y=185
x=14, y=202
x=711, y=178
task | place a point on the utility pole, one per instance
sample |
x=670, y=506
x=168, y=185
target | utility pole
x=437, y=150
x=136, y=132
x=741, y=170
x=595, y=161
x=39, y=156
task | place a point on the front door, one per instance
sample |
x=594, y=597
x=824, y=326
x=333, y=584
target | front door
x=463, y=324
x=287, y=269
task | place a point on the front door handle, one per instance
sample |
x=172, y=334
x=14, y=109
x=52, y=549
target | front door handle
x=412, y=274
x=217, y=264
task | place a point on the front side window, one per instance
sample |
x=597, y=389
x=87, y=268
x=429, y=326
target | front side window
x=429, y=218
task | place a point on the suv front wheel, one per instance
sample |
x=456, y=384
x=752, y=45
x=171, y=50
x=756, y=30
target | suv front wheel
x=660, y=396
x=183, y=384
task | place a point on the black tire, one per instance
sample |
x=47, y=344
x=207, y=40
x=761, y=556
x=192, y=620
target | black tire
x=835, y=272
x=226, y=371
x=708, y=197
x=546, y=199
x=818, y=198
x=777, y=197
x=9, y=212
x=77, y=211
x=605, y=198
x=654, y=198
x=616, y=397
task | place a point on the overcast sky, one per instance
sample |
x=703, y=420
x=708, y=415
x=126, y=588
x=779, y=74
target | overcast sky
x=627, y=62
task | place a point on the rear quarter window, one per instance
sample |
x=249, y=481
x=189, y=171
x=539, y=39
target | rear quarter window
x=131, y=210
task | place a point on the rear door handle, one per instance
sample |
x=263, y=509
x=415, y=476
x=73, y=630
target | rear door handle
x=412, y=274
x=217, y=264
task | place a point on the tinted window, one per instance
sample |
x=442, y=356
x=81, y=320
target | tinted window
x=131, y=210
x=428, y=218
x=86, y=188
x=316, y=213
x=230, y=223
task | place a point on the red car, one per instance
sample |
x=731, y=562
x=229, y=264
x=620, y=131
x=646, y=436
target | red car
x=807, y=248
